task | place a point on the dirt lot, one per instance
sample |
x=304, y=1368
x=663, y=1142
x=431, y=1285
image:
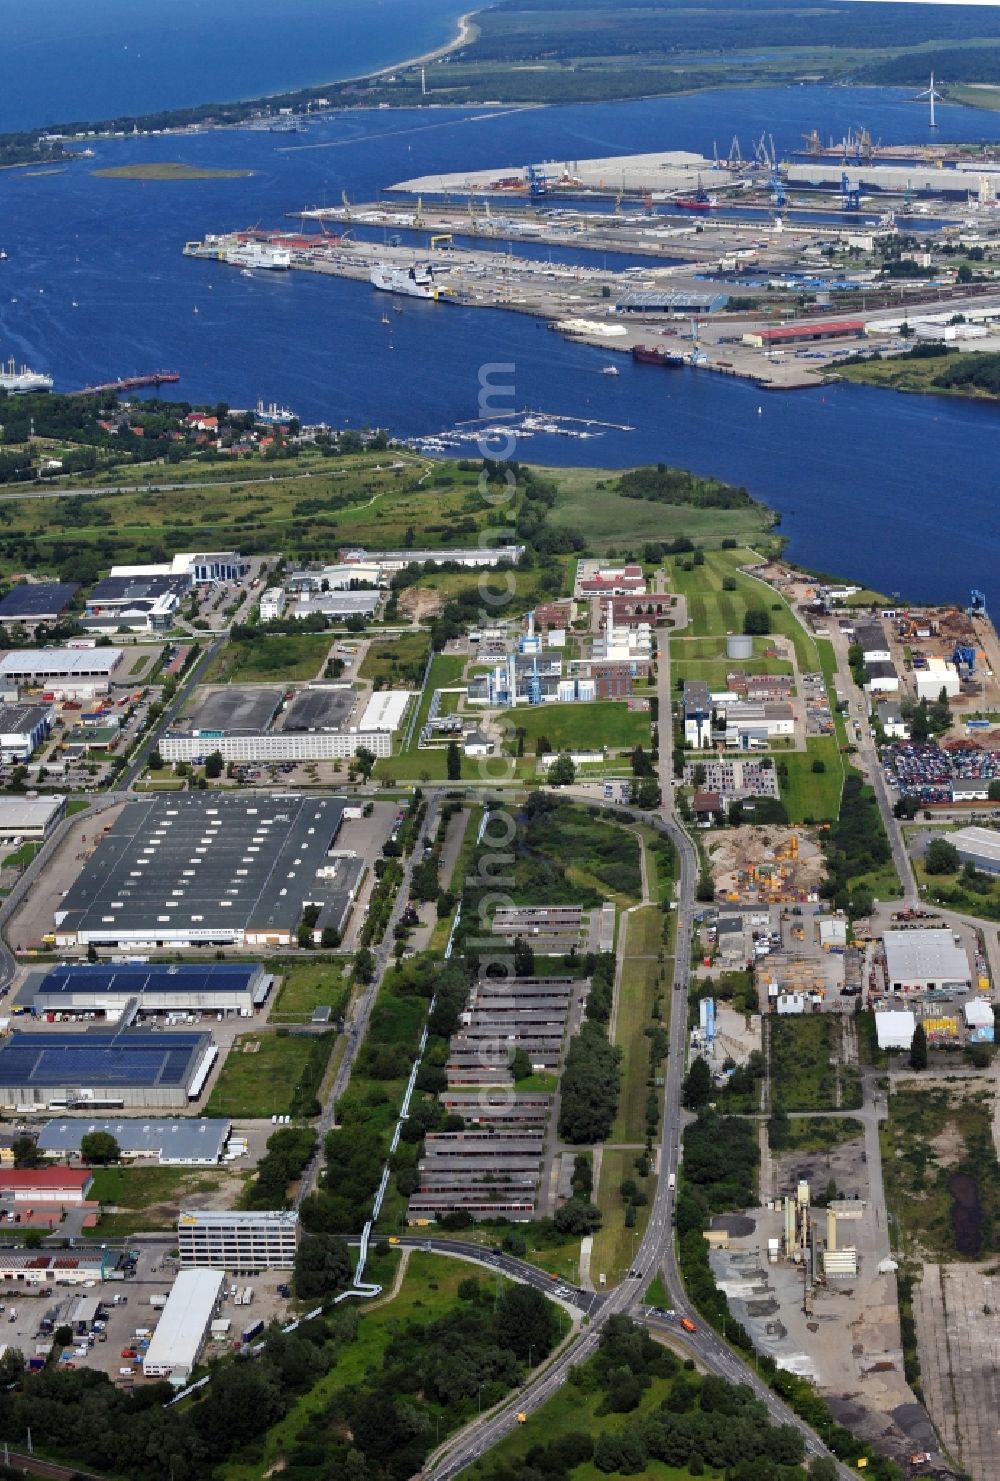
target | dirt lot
x=36, y=915
x=955, y=1307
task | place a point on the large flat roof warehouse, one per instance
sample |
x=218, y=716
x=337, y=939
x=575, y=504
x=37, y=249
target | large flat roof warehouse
x=239, y=709
x=979, y=846
x=33, y=601
x=924, y=959
x=179, y=1141
x=29, y=817
x=208, y=867
x=131, y=1066
x=29, y=664
x=324, y=707
x=223, y=987
x=180, y=1333
x=385, y=710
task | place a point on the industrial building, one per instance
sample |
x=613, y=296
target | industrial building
x=474, y=558
x=979, y=1020
x=241, y=1242
x=139, y=603
x=895, y=1029
x=978, y=846
x=58, y=668
x=337, y=606
x=24, y=818
x=808, y=333
x=204, y=568
x=30, y=604
x=659, y=302
x=329, y=745
x=871, y=639
x=128, y=1068
x=137, y=989
x=697, y=714
x=882, y=677
x=211, y=869
x=64, y=1185
x=178, y=1142
x=323, y=707
x=31, y=1269
x=184, y=1325
x=23, y=728
x=939, y=674
x=925, y=961
x=272, y=604
x=236, y=709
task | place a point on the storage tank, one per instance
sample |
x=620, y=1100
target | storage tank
x=738, y=646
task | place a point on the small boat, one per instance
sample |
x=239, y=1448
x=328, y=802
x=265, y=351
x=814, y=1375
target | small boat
x=385, y=319
x=195, y=308
x=396, y=309
x=245, y=272
x=609, y=369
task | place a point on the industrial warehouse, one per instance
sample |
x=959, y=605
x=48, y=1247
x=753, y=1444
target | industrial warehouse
x=178, y=1142
x=244, y=725
x=925, y=961
x=183, y=1328
x=129, y=1068
x=210, y=869
x=137, y=990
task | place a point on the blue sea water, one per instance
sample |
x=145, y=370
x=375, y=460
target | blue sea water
x=893, y=490
x=89, y=59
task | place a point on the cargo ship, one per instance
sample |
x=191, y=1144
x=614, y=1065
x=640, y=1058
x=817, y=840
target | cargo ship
x=412, y=282
x=655, y=355
x=259, y=254
x=699, y=202
x=18, y=382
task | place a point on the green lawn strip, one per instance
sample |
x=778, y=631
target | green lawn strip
x=278, y=659
x=309, y=985
x=614, y=1243
x=445, y=673
x=635, y=1005
x=948, y=889
x=541, y=1083
x=657, y=1293
x=806, y=793
x=715, y=670
x=581, y=727
x=261, y=1083
x=76, y=805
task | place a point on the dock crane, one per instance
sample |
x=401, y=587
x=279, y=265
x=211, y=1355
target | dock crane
x=977, y=606
x=345, y=201
x=850, y=195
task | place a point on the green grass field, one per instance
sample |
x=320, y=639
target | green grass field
x=638, y=988
x=608, y=522
x=802, y=1075
x=808, y=794
x=260, y=1083
x=309, y=985
x=279, y=659
x=445, y=673
x=821, y=1133
x=148, y=1197
x=714, y=611
x=396, y=663
x=614, y=1244
x=581, y=727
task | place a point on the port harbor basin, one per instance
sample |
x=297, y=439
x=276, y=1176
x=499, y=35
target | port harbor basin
x=874, y=485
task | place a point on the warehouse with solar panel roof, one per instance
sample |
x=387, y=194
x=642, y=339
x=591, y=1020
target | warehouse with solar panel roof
x=212, y=869
x=139, y=1069
x=137, y=990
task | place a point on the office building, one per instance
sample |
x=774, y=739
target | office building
x=238, y=1241
x=184, y=1325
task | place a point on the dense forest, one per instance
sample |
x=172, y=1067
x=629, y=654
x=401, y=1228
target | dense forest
x=667, y=485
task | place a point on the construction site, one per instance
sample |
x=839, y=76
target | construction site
x=767, y=865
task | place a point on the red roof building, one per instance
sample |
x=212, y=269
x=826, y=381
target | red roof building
x=45, y=1184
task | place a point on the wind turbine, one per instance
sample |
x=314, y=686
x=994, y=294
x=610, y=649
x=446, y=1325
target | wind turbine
x=934, y=96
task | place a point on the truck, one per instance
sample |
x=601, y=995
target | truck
x=688, y=1324
x=158, y=1302
x=254, y=1330
x=671, y=1181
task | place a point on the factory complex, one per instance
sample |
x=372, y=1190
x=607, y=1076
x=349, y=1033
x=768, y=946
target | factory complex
x=212, y=869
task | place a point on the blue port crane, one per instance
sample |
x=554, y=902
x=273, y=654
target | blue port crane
x=977, y=606
x=537, y=182
x=850, y=195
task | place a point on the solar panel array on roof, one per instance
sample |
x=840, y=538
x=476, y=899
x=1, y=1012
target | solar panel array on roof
x=36, y=599
x=135, y=1057
x=134, y=980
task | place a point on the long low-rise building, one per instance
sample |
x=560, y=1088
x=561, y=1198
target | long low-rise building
x=311, y=745
x=925, y=961
x=212, y=868
x=243, y=1242
x=128, y=1068
x=979, y=847
x=29, y=818
x=184, y=1325
x=32, y=1269
x=34, y=667
x=218, y=987
x=64, y=1185
x=178, y=1142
